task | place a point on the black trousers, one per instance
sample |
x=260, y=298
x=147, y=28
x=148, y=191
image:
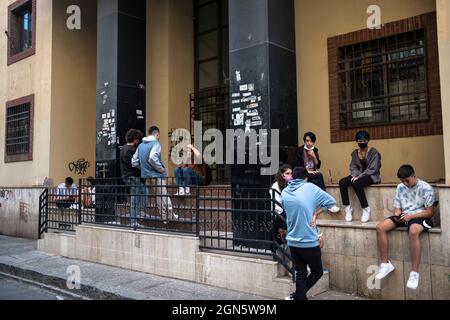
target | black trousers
x=311, y=257
x=318, y=180
x=358, y=186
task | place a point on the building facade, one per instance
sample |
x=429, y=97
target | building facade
x=388, y=81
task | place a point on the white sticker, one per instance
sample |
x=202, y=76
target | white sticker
x=236, y=101
x=238, y=76
x=113, y=113
x=236, y=110
x=108, y=115
x=104, y=116
x=253, y=105
x=251, y=87
x=247, y=94
x=235, y=95
x=243, y=88
x=139, y=112
x=259, y=98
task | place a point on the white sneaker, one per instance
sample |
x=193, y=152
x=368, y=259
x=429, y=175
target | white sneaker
x=413, y=282
x=290, y=297
x=180, y=192
x=366, y=215
x=187, y=191
x=334, y=209
x=385, y=270
x=349, y=214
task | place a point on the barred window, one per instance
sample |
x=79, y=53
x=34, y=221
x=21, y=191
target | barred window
x=383, y=81
x=19, y=126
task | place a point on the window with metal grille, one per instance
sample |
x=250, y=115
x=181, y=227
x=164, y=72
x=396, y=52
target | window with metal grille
x=383, y=81
x=211, y=106
x=21, y=31
x=19, y=126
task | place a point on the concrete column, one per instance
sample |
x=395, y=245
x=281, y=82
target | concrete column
x=443, y=21
x=121, y=61
x=263, y=81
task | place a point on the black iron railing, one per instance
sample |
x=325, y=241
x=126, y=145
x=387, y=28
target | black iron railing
x=240, y=220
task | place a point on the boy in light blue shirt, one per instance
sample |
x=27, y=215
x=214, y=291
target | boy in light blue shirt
x=301, y=201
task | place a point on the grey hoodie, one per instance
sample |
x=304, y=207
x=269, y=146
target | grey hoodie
x=373, y=165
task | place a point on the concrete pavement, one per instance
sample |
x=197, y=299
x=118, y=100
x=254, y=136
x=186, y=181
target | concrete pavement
x=19, y=257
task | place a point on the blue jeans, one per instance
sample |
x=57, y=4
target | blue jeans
x=187, y=177
x=138, y=193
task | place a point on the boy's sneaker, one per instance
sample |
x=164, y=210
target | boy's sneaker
x=366, y=215
x=413, y=282
x=385, y=270
x=349, y=214
x=180, y=192
x=290, y=297
x=334, y=209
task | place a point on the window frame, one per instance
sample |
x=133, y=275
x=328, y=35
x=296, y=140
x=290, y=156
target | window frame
x=397, y=129
x=13, y=31
x=23, y=157
x=347, y=121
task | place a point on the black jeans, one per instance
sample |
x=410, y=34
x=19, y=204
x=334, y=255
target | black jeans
x=358, y=186
x=311, y=257
x=318, y=180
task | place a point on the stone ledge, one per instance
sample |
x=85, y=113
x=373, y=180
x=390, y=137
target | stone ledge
x=360, y=225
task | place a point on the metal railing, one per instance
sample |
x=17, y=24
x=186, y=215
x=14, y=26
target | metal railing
x=240, y=220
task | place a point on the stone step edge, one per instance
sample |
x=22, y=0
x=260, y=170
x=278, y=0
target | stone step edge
x=59, y=282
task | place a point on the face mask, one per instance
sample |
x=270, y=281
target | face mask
x=363, y=145
x=288, y=179
x=307, y=149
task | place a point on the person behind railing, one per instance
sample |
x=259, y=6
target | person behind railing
x=414, y=203
x=88, y=194
x=283, y=177
x=191, y=174
x=364, y=171
x=132, y=176
x=302, y=203
x=148, y=159
x=66, y=194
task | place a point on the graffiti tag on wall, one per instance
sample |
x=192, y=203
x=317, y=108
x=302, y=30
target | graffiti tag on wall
x=24, y=211
x=6, y=195
x=79, y=167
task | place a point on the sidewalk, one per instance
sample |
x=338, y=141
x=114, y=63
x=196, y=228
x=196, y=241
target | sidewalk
x=19, y=257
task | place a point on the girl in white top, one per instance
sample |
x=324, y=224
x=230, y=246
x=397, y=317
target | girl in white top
x=283, y=177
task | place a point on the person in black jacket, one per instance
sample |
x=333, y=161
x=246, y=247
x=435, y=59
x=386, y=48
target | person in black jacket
x=307, y=157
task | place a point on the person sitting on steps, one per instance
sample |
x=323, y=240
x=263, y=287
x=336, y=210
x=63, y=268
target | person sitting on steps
x=192, y=174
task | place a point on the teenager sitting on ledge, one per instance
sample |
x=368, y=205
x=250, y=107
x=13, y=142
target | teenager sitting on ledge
x=414, y=204
x=364, y=171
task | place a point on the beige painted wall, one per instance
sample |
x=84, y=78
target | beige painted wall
x=170, y=66
x=443, y=16
x=73, y=117
x=317, y=20
x=28, y=76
